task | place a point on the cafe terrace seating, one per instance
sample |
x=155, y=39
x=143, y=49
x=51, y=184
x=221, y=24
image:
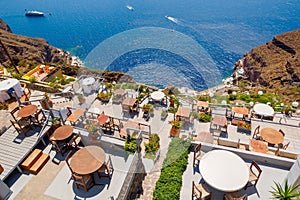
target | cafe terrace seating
x=86, y=181
x=200, y=191
x=255, y=172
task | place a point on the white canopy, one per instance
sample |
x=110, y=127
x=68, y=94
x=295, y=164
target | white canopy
x=263, y=109
x=8, y=84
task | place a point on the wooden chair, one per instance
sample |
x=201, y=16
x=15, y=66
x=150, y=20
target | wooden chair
x=60, y=147
x=85, y=181
x=281, y=131
x=256, y=134
x=39, y=118
x=234, y=196
x=255, y=172
x=285, y=146
x=75, y=142
x=1, y=169
x=13, y=113
x=20, y=128
x=107, y=169
x=200, y=191
x=197, y=154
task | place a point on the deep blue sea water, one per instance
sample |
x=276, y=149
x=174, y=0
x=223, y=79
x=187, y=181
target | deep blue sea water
x=195, y=46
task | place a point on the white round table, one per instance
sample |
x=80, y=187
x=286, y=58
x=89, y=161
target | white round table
x=12, y=83
x=87, y=84
x=263, y=109
x=224, y=170
x=157, y=95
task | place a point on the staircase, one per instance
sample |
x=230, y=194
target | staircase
x=35, y=161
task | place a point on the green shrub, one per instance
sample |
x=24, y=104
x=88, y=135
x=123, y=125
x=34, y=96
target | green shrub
x=204, y=117
x=153, y=144
x=17, y=76
x=32, y=79
x=130, y=144
x=172, y=110
x=169, y=183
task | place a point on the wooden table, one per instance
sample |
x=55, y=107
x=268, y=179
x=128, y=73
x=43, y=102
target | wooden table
x=258, y=146
x=129, y=124
x=203, y=104
x=219, y=120
x=183, y=112
x=205, y=137
x=63, y=132
x=240, y=110
x=102, y=119
x=271, y=135
x=27, y=111
x=87, y=160
x=130, y=103
x=76, y=115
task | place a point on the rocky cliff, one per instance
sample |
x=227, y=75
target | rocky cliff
x=25, y=51
x=275, y=66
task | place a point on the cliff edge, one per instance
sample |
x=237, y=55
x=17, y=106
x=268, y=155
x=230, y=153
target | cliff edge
x=275, y=66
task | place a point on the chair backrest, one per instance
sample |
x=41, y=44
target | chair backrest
x=75, y=140
x=13, y=111
x=286, y=146
x=256, y=132
x=255, y=169
x=56, y=146
x=199, y=192
x=40, y=115
x=110, y=165
x=68, y=157
x=281, y=131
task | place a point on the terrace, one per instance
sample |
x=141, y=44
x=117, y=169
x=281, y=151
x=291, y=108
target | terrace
x=54, y=181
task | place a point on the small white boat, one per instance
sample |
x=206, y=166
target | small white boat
x=33, y=13
x=130, y=8
x=172, y=19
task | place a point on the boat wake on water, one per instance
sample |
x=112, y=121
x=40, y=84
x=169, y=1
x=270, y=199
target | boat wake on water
x=172, y=19
x=130, y=8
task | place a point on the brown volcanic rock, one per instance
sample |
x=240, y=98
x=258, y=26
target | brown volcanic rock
x=275, y=65
x=37, y=50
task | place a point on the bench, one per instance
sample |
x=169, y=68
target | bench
x=227, y=142
x=35, y=161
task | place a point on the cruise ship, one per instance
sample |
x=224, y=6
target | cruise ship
x=34, y=13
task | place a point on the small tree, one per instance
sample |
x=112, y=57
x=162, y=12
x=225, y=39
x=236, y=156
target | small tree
x=285, y=193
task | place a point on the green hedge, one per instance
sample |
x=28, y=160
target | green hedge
x=169, y=183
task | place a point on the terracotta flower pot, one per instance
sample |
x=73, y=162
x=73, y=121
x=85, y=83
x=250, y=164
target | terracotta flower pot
x=44, y=104
x=174, y=132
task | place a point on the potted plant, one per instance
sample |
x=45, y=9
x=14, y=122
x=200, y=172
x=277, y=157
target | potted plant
x=285, y=193
x=287, y=109
x=176, y=127
x=243, y=127
x=44, y=103
x=81, y=98
x=164, y=114
x=104, y=96
x=55, y=123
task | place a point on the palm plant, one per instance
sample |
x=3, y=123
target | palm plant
x=285, y=193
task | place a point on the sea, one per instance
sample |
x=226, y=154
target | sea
x=191, y=43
